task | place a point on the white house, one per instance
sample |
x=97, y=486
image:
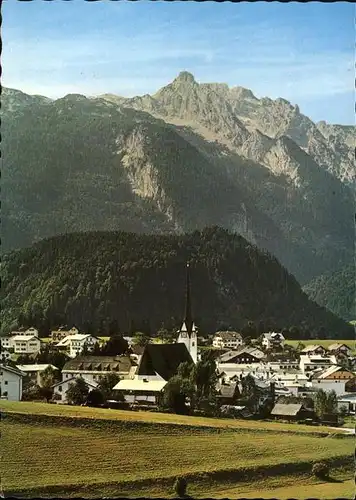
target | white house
x=25, y=344
x=62, y=332
x=348, y=401
x=74, y=344
x=309, y=363
x=6, y=342
x=11, y=383
x=25, y=331
x=335, y=378
x=34, y=372
x=227, y=340
x=141, y=390
x=273, y=340
x=5, y=355
x=60, y=389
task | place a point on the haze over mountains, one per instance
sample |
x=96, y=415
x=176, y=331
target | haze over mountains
x=190, y=156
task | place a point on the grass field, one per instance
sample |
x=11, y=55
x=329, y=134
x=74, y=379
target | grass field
x=153, y=418
x=41, y=456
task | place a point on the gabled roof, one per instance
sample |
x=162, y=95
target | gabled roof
x=311, y=348
x=99, y=363
x=90, y=383
x=332, y=370
x=227, y=335
x=24, y=338
x=35, y=368
x=286, y=409
x=336, y=346
x=12, y=369
x=274, y=336
x=163, y=359
x=252, y=351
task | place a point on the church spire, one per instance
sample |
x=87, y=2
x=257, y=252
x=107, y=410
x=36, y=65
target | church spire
x=188, y=318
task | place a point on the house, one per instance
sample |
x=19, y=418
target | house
x=272, y=340
x=188, y=333
x=11, y=383
x=228, y=393
x=339, y=349
x=62, y=333
x=309, y=363
x=74, y=344
x=60, y=389
x=5, y=355
x=161, y=361
x=246, y=355
x=93, y=367
x=335, y=378
x=23, y=344
x=25, y=331
x=314, y=350
x=291, y=412
x=141, y=391
x=35, y=371
x=227, y=340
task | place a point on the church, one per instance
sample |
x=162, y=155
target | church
x=188, y=332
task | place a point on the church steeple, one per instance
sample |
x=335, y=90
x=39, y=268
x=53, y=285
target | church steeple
x=188, y=317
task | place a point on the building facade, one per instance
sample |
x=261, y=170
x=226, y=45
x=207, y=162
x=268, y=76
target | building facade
x=11, y=383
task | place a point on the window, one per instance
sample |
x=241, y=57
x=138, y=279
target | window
x=5, y=393
x=5, y=382
x=60, y=388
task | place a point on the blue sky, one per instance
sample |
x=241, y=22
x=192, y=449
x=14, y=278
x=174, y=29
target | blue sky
x=302, y=52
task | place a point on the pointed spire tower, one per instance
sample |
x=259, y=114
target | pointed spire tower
x=188, y=331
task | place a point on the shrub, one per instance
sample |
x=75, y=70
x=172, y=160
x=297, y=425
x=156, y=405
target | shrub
x=180, y=486
x=320, y=470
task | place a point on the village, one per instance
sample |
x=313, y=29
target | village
x=285, y=379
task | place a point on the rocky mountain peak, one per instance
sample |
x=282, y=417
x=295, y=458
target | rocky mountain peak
x=185, y=77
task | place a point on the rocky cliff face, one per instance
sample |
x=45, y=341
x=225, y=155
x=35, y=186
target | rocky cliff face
x=190, y=156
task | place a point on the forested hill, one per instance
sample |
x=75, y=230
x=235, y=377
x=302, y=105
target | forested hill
x=336, y=291
x=138, y=282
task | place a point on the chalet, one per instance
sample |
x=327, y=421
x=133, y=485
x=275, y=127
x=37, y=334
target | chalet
x=227, y=340
x=74, y=344
x=60, y=389
x=339, y=349
x=314, y=350
x=34, y=372
x=246, y=355
x=291, y=412
x=273, y=340
x=309, y=363
x=142, y=391
x=335, y=378
x=161, y=361
x=62, y=333
x=93, y=367
x=11, y=383
x=22, y=344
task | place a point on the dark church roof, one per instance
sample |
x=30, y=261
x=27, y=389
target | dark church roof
x=163, y=359
x=100, y=363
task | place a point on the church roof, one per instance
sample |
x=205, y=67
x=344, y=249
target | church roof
x=163, y=359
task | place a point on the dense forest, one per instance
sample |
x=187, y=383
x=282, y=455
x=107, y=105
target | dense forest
x=335, y=291
x=107, y=281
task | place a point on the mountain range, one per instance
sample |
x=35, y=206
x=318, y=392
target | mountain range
x=191, y=155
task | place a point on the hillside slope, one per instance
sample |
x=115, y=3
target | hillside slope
x=335, y=291
x=92, y=279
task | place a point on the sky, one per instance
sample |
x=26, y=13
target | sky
x=304, y=53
